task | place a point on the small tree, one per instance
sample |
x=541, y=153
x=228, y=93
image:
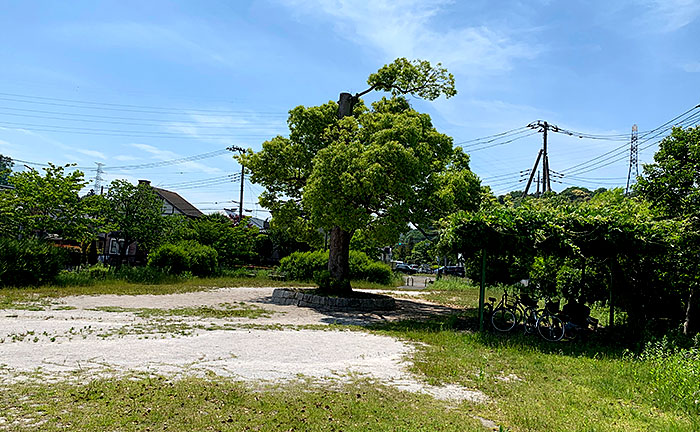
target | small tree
x=346, y=167
x=134, y=212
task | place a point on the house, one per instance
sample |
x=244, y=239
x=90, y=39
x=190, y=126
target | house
x=109, y=244
x=261, y=224
x=173, y=203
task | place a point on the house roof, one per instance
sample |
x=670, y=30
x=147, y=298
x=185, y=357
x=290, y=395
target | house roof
x=178, y=202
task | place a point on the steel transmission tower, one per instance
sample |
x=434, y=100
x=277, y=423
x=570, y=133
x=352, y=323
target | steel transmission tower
x=634, y=161
x=98, y=177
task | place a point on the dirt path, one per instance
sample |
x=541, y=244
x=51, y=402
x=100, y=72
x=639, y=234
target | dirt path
x=112, y=335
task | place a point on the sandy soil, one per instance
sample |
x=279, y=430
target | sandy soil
x=69, y=339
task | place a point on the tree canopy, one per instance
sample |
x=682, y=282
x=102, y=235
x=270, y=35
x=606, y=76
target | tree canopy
x=375, y=170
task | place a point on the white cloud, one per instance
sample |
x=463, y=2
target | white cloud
x=409, y=28
x=125, y=158
x=669, y=15
x=692, y=67
x=93, y=153
x=165, y=41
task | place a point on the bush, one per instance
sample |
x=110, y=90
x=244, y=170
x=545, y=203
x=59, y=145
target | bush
x=29, y=262
x=202, y=259
x=169, y=257
x=185, y=256
x=308, y=266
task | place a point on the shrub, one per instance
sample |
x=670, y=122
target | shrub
x=169, y=257
x=307, y=266
x=185, y=256
x=202, y=259
x=29, y=262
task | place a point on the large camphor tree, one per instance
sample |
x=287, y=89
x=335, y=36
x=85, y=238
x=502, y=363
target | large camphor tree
x=347, y=167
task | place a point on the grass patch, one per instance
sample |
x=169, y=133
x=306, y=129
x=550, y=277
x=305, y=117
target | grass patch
x=222, y=311
x=593, y=385
x=158, y=404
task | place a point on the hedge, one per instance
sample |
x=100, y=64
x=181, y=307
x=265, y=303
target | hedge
x=306, y=266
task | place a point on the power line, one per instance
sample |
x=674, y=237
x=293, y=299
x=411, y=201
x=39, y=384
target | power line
x=134, y=121
x=73, y=103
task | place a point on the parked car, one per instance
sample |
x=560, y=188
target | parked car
x=451, y=271
x=405, y=268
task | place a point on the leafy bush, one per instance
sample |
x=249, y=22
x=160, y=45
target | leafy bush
x=169, y=257
x=307, y=266
x=29, y=262
x=185, y=256
x=202, y=259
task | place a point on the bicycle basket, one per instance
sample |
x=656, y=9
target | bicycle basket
x=528, y=301
x=552, y=306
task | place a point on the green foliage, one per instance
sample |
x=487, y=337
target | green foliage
x=6, y=165
x=375, y=170
x=234, y=244
x=185, y=256
x=415, y=77
x=29, y=262
x=169, y=257
x=50, y=204
x=135, y=213
x=673, y=373
x=307, y=266
x=570, y=249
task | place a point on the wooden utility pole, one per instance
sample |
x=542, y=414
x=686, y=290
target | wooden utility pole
x=543, y=127
x=240, y=150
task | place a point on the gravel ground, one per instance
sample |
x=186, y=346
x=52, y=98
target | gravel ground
x=69, y=339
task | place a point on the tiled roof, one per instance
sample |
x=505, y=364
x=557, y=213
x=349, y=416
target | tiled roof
x=178, y=202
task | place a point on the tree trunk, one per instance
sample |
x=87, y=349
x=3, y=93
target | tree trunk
x=692, y=321
x=339, y=261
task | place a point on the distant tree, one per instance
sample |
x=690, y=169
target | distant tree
x=50, y=204
x=672, y=185
x=6, y=165
x=345, y=167
x=134, y=212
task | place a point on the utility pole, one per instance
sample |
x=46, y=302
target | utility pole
x=538, y=184
x=532, y=173
x=544, y=127
x=633, y=171
x=240, y=207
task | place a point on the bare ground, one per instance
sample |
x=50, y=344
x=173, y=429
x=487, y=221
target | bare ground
x=73, y=339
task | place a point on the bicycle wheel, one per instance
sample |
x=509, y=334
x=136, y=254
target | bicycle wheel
x=503, y=319
x=550, y=327
x=530, y=320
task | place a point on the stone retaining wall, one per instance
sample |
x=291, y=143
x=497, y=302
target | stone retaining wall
x=285, y=296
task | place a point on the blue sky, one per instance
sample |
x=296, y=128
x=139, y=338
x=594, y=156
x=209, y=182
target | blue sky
x=132, y=83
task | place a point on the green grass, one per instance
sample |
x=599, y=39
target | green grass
x=218, y=404
x=221, y=311
x=593, y=385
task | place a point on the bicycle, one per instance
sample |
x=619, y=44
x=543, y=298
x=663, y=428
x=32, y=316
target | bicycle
x=503, y=318
x=549, y=325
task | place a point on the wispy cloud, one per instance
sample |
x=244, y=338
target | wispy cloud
x=669, y=15
x=692, y=67
x=408, y=28
x=164, y=155
x=92, y=153
x=183, y=42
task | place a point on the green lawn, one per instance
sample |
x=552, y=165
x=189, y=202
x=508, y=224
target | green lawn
x=593, y=385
